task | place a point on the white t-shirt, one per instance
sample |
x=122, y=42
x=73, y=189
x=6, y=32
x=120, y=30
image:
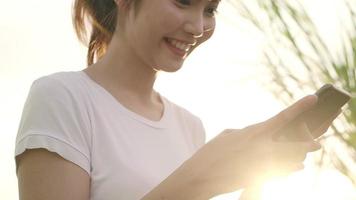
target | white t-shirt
x=125, y=154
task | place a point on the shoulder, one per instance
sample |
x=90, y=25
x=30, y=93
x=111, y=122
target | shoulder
x=56, y=93
x=58, y=85
x=59, y=80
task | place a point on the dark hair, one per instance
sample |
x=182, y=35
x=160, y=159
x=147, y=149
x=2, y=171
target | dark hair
x=99, y=17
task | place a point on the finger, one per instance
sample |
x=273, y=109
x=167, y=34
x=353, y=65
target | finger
x=283, y=118
x=308, y=146
x=298, y=131
x=325, y=126
x=293, y=151
x=304, y=133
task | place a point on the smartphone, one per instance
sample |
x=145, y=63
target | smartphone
x=330, y=101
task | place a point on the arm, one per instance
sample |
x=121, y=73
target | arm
x=45, y=175
x=239, y=158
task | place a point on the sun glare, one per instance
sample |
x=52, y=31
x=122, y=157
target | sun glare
x=307, y=185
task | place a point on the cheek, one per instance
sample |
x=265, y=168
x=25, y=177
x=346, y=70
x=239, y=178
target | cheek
x=160, y=22
x=170, y=21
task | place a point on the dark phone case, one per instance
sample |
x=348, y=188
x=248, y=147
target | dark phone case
x=330, y=100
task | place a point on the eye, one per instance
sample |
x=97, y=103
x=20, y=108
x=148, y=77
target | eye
x=184, y=2
x=211, y=11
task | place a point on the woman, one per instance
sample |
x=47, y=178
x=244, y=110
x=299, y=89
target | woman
x=105, y=133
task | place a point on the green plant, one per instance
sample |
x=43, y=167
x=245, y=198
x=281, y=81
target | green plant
x=300, y=59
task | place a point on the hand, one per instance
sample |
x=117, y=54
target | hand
x=239, y=158
x=290, y=131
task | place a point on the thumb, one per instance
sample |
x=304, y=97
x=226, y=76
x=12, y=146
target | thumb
x=289, y=114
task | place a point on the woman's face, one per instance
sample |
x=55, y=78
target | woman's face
x=163, y=32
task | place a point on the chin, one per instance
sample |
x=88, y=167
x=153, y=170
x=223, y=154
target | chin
x=169, y=68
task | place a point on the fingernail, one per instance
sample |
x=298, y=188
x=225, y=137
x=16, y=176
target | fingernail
x=315, y=146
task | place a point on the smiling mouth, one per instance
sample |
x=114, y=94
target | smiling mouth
x=177, y=47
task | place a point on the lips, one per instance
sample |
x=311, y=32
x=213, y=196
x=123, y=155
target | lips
x=179, y=47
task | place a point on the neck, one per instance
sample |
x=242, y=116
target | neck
x=121, y=70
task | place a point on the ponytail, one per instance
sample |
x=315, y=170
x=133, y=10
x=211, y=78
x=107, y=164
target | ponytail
x=99, y=17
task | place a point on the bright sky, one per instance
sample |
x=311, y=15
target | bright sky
x=219, y=81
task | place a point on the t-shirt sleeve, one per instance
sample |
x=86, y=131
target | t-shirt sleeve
x=199, y=135
x=55, y=119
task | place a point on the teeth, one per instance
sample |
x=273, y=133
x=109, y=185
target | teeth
x=179, y=45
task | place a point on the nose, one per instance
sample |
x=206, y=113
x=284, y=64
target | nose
x=195, y=25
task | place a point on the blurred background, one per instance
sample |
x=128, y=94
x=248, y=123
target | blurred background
x=264, y=55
